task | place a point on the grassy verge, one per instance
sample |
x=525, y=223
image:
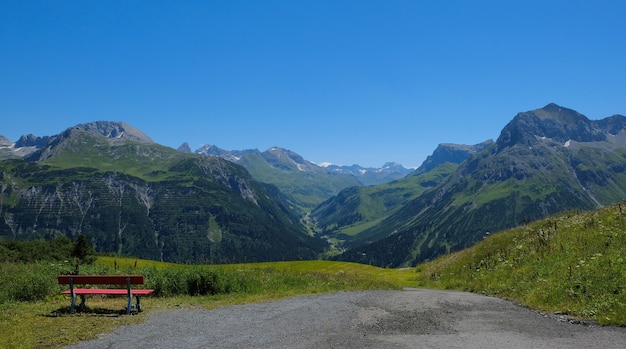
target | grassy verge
x=41, y=319
x=574, y=263
x=44, y=324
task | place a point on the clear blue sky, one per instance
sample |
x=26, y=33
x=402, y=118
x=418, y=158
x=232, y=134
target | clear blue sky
x=336, y=81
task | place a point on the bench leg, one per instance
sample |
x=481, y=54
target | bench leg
x=138, y=303
x=130, y=296
x=82, y=304
x=130, y=304
x=73, y=294
x=73, y=304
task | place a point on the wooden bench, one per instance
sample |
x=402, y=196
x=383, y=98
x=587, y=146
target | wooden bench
x=126, y=280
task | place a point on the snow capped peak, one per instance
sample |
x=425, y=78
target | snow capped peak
x=286, y=160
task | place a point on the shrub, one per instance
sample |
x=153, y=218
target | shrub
x=28, y=282
x=57, y=249
x=192, y=281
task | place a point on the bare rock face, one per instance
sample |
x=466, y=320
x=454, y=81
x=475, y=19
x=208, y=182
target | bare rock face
x=5, y=142
x=559, y=125
x=454, y=153
x=31, y=140
x=184, y=148
x=116, y=130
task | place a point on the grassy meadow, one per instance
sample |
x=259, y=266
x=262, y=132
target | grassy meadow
x=34, y=315
x=573, y=263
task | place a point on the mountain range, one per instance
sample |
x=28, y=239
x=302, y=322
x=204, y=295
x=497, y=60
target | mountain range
x=545, y=161
x=344, y=217
x=303, y=182
x=131, y=196
x=389, y=172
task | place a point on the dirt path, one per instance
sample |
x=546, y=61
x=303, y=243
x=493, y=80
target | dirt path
x=413, y=318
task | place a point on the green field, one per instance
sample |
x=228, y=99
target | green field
x=42, y=320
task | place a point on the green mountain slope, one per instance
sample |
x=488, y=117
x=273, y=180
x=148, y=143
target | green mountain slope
x=572, y=264
x=545, y=161
x=303, y=183
x=136, y=198
x=80, y=148
x=345, y=216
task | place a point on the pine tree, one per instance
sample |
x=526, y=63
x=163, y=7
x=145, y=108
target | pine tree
x=82, y=250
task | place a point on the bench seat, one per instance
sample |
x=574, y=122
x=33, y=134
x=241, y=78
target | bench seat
x=107, y=291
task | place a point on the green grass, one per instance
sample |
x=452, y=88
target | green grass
x=574, y=263
x=137, y=159
x=41, y=319
x=355, y=229
x=42, y=325
x=275, y=279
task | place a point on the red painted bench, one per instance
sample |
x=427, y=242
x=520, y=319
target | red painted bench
x=126, y=280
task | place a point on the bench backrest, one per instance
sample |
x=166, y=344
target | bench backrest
x=100, y=279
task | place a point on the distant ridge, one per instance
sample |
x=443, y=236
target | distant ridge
x=389, y=172
x=449, y=152
x=303, y=183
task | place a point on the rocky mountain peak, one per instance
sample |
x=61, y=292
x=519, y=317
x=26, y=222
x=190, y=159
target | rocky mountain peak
x=31, y=140
x=392, y=165
x=114, y=130
x=5, y=142
x=551, y=122
x=185, y=148
x=286, y=159
x=449, y=152
x=554, y=111
x=212, y=150
x=282, y=152
x=613, y=124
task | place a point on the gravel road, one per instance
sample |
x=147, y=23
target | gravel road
x=413, y=318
